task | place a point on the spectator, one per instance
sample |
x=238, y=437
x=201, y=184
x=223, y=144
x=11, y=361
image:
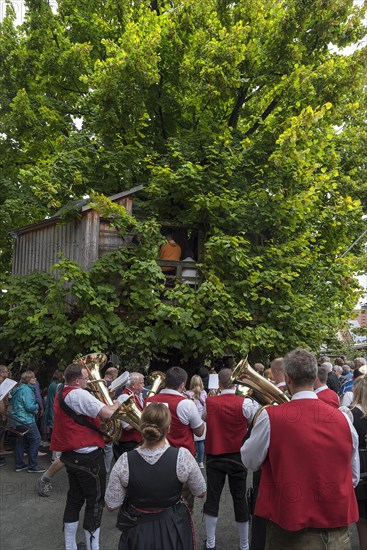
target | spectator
x=198, y=395
x=48, y=419
x=24, y=408
x=359, y=411
x=170, y=251
x=332, y=380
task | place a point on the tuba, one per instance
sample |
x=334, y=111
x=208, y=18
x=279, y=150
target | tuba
x=93, y=362
x=130, y=413
x=157, y=379
x=251, y=384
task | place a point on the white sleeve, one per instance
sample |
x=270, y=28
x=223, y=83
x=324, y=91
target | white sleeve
x=119, y=480
x=188, y=413
x=356, y=471
x=250, y=408
x=83, y=402
x=188, y=471
x=347, y=399
x=255, y=448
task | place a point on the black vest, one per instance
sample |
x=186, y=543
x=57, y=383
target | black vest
x=153, y=486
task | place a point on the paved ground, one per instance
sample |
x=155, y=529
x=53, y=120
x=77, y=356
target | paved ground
x=30, y=522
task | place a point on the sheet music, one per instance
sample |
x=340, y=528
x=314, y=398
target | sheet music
x=121, y=380
x=6, y=386
x=213, y=382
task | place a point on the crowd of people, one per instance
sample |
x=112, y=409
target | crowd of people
x=308, y=454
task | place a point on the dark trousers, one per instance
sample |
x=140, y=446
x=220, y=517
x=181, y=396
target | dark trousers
x=258, y=524
x=121, y=447
x=306, y=539
x=87, y=483
x=217, y=468
x=33, y=439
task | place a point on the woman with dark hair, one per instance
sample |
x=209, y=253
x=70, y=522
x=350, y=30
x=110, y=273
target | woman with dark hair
x=147, y=482
x=359, y=411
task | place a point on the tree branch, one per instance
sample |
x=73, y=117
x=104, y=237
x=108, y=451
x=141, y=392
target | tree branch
x=265, y=114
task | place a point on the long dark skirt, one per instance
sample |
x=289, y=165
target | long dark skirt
x=361, y=489
x=168, y=530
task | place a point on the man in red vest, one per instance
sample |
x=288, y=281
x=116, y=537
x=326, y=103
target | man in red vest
x=323, y=392
x=306, y=506
x=186, y=420
x=277, y=372
x=77, y=434
x=130, y=437
x=227, y=416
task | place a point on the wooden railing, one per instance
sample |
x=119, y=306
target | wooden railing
x=186, y=271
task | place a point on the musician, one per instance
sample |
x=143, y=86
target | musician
x=110, y=375
x=322, y=391
x=130, y=437
x=304, y=506
x=227, y=417
x=186, y=420
x=77, y=434
x=277, y=372
x=152, y=475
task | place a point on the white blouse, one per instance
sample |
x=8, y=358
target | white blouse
x=187, y=470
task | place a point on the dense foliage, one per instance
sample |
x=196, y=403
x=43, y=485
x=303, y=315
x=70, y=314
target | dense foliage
x=243, y=119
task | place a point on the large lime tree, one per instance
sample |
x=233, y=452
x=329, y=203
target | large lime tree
x=243, y=119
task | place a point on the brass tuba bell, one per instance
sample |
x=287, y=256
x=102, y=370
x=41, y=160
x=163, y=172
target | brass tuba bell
x=129, y=412
x=93, y=362
x=251, y=384
x=157, y=379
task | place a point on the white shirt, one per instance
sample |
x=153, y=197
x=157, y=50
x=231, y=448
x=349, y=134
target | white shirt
x=347, y=399
x=249, y=406
x=321, y=388
x=254, y=451
x=83, y=402
x=186, y=410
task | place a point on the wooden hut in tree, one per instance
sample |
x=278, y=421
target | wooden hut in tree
x=83, y=239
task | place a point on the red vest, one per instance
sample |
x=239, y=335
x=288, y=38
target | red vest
x=131, y=435
x=180, y=435
x=68, y=435
x=226, y=426
x=330, y=397
x=306, y=479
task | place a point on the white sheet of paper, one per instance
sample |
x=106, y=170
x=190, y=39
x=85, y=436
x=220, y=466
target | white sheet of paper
x=6, y=386
x=213, y=382
x=121, y=380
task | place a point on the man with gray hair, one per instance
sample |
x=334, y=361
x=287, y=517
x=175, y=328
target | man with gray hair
x=130, y=437
x=303, y=507
x=332, y=379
